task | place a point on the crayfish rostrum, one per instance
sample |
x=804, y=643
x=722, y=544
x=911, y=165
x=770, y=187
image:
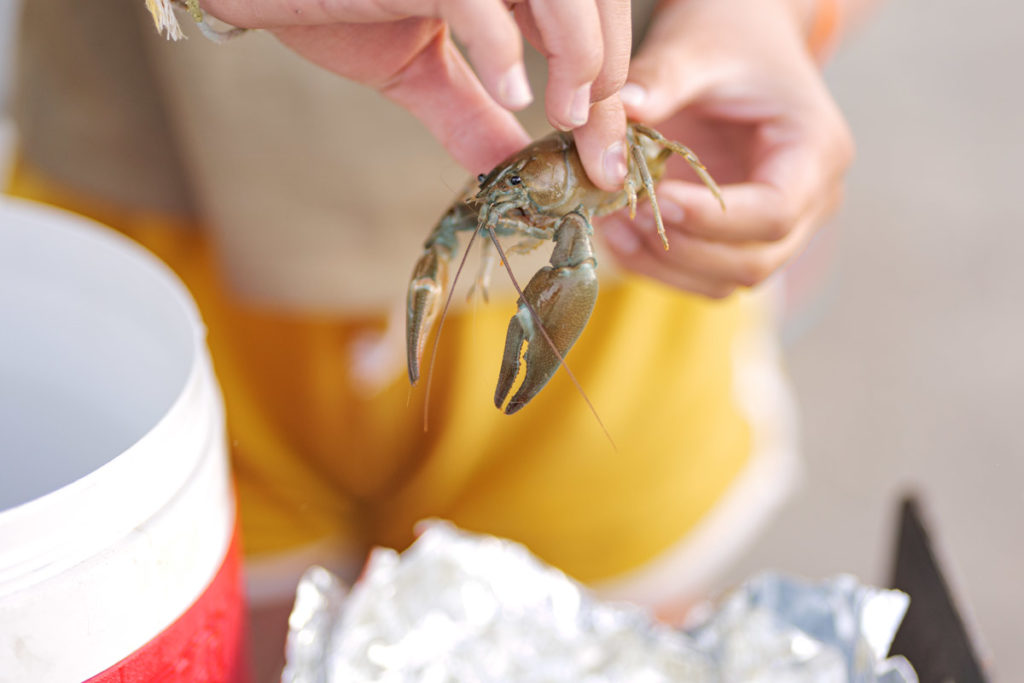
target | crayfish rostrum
x=540, y=193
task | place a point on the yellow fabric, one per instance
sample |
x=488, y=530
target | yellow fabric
x=315, y=457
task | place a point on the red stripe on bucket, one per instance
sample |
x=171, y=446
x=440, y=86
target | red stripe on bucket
x=205, y=644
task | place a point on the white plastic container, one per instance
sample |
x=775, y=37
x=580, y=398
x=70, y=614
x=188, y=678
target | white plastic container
x=116, y=509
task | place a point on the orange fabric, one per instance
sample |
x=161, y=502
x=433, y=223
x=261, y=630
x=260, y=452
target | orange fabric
x=824, y=31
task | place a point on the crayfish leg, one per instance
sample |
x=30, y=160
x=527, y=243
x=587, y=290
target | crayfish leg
x=687, y=154
x=640, y=161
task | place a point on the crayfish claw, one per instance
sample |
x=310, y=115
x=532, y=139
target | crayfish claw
x=423, y=304
x=552, y=312
x=429, y=278
x=518, y=332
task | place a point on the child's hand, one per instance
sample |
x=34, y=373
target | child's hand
x=404, y=49
x=733, y=80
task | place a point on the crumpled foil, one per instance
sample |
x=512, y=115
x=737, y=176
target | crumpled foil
x=458, y=606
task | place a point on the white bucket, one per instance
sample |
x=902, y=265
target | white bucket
x=116, y=510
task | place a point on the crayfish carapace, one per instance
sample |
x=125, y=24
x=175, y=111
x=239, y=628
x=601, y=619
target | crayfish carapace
x=541, y=193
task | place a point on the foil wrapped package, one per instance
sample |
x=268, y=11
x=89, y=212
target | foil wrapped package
x=458, y=606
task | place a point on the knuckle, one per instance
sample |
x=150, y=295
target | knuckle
x=395, y=74
x=589, y=59
x=579, y=60
x=754, y=271
x=609, y=81
x=778, y=226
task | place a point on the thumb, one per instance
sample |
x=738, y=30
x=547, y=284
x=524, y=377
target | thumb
x=440, y=89
x=668, y=72
x=414, y=64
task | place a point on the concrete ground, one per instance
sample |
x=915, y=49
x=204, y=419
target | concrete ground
x=913, y=375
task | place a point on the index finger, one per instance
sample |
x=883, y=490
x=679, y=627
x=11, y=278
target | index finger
x=485, y=27
x=617, y=33
x=570, y=36
x=616, y=36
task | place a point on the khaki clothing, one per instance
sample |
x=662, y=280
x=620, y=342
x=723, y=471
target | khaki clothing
x=291, y=168
x=294, y=204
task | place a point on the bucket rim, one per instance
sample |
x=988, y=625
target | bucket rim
x=37, y=537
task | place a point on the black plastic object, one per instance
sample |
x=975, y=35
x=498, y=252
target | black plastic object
x=932, y=637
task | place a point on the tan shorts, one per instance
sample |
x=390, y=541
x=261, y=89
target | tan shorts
x=330, y=456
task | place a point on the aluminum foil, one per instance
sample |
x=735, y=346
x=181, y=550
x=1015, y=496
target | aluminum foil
x=465, y=607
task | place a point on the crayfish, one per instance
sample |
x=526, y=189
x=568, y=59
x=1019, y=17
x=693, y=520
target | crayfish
x=541, y=193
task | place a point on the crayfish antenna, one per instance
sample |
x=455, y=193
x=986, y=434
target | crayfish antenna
x=483, y=275
x=440, y=327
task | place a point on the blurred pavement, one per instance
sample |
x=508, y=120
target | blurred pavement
x=913, y=376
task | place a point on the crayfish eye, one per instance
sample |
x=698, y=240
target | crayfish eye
x=481, y=178
x=514, y=179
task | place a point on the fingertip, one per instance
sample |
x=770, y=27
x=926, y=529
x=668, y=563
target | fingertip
x=633, y=95
x=643, y=102
x=646, y=72
x=493, y=44
x=514, y=89
x=572, y=41
x=568, y=111
x=601, y=144
x=613, y=164
x=664, y=77
x=440, y=89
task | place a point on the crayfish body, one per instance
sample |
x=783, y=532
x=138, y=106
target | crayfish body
x=541, y=193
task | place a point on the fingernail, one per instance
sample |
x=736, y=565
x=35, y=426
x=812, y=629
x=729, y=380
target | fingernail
x=614, y=162
x=671, y=212
x=633, y=95
x=514, y=89
x=579, y=109
x=621, y=237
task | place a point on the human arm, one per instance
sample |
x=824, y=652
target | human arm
x=736, y=81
